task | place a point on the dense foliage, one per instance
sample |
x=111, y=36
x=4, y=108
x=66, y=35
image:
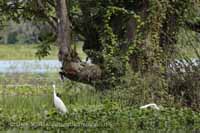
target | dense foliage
x=31, y=108
x=105, y=119
x=135, y=43
x=23, y=33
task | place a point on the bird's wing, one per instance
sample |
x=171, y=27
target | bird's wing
x=60, y=105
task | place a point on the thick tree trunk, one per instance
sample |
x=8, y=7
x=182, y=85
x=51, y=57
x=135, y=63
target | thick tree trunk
x=72, y=67
x=136, y=59
x=63, y=31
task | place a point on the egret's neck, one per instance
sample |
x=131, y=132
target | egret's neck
x=54, y=92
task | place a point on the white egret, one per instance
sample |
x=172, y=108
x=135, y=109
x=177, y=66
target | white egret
x=87, y=60
x=60, y=106
x=151, y=105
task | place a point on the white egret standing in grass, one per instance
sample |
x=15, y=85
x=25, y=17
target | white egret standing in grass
x=60, y=106
x=151, y=105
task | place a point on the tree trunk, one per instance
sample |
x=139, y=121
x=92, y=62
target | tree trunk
x=131, y=29
x=63, y=31
x=72, y=67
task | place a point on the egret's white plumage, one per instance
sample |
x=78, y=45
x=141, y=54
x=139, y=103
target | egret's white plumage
x=58, y=102
x=87, y=60
x=151, y=105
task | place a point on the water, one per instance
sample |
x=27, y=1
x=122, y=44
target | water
x=29, y=66
x=37, y=66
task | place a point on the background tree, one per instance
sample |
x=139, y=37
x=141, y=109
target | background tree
x=116, y=34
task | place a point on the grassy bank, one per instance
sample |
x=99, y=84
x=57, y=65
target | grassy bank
x=31, y=107
x=22, y=52
x=86, y=110
x=27, y=52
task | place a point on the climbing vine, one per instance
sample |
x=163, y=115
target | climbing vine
x=157, y=24
x=116, y=49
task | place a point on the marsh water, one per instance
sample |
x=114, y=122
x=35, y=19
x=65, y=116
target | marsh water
x=32, y=66
x=37, y=66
